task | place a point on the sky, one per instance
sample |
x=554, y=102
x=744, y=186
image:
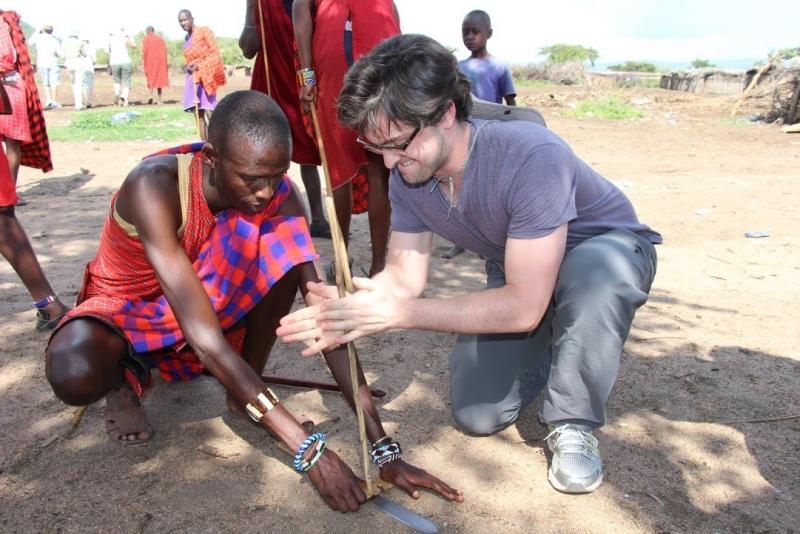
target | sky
x=620, y=30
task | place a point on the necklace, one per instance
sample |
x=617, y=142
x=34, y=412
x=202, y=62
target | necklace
x=453, y=202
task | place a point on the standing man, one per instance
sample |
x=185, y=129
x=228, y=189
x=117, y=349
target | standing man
x=156, y=67
x=47, y=53
x=331, y=35
x=205, y=72
x=281, y=53
x=568, y=260
x=23, y=131
x=119, y=61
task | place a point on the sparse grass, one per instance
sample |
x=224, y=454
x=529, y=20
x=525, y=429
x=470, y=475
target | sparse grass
x=162, y=123
x=607, y=108
x=521, y=82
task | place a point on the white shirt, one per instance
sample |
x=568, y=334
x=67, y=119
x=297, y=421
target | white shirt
x=118, y=49
x=47, y=48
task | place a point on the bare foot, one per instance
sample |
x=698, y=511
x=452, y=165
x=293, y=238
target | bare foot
x=126, y=420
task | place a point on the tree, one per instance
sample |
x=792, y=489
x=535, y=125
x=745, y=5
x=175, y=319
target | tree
x=633, y=66
x=702, y=64
x=564, y=53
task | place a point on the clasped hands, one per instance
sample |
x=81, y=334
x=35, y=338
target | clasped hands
x=333, y=320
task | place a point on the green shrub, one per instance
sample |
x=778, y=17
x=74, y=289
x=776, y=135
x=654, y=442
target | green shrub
x=607, y=108
x=564, y=53
x=702, y=64
x=633, y=66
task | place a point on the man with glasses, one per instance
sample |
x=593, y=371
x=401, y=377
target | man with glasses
x=568, y=260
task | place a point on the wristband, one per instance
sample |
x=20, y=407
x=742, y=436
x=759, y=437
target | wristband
x=306, y=76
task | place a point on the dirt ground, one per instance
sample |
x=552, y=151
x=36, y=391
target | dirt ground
x=703, y=432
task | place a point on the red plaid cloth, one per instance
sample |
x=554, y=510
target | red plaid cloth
x=35, y=153
x=237, y=257
x=8, y=192
x=13, y=125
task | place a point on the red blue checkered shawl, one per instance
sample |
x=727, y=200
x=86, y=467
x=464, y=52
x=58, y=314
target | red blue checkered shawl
x=237, y=257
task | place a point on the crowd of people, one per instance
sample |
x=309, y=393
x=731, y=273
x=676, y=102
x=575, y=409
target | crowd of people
x=206, y=244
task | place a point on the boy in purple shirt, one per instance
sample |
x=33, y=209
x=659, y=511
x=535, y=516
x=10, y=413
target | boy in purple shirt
x=489, y=76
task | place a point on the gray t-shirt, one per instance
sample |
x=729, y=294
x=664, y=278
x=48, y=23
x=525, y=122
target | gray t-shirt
x=521, y=181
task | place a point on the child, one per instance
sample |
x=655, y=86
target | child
x=490, y=77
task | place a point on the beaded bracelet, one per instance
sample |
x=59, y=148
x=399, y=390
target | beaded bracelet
x=315, y=445
x=306, y=76
x=385, y=450
x=39, y=304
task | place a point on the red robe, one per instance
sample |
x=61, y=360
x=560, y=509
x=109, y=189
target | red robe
x=36, y=153
x=373, y=21
x=204, y=52
x=283, y=65
x=154, y=60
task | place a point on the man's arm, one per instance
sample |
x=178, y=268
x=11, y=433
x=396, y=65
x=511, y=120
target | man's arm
x=303, y=21
x=249, y=40
x=531, y=270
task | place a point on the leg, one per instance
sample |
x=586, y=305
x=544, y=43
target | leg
x=202, y=126
x=88, y=86
x=77, y=88
x=126, y=84
x=83, y=365
x=343, y=198
x=14, y=156
x=319, y=226
x=379, y=210
x=15, y=247
x=494, y=376
x=264, y=319
x=601, y=284
x=159, y=96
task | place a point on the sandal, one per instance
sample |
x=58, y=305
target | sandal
x=45, y=322
x=129, y=419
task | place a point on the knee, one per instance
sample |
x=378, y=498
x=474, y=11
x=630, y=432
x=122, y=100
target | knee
x=483, y=419
x=72, y=376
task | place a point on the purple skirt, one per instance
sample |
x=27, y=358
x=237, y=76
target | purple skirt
x=207, y=102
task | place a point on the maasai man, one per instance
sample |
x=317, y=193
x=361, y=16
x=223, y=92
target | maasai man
x=201, y=254
x=281, y=54
x=23, y=130
x=330, y=38
x=204, y=70
x=154, y=60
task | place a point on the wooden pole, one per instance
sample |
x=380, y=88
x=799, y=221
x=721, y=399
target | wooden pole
x=264, y=45
x=344, y=283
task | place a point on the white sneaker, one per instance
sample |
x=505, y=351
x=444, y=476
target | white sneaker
x=576, y=466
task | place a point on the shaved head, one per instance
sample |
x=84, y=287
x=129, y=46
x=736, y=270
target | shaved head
x=251, y=116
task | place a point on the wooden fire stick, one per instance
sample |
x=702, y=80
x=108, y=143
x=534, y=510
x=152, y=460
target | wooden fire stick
x=344, y=282
x=263, y=45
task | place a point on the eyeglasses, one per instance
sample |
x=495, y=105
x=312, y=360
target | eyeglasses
x=380, y=149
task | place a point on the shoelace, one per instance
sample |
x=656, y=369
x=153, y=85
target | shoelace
x=573, y=439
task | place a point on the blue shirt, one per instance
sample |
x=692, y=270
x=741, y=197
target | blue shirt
x=490, y=78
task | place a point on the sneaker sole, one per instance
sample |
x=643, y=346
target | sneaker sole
x=572, y=488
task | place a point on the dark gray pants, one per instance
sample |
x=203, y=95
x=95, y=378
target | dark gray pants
x=573, y=354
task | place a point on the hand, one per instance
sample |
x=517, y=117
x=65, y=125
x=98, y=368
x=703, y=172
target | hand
x=308, y=95
x=336, y=483
x=370, y=310
x=409, y=478
x=302, y=324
